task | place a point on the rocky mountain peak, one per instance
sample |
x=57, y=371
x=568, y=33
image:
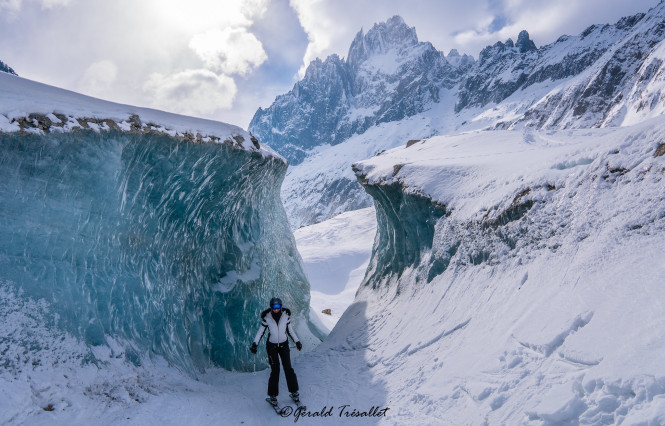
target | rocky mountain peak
x=459, y=61
x=381, y=38
x=498, y=50
x=319, y=69
x=524, y=43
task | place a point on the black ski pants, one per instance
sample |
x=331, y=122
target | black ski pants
x=275, y=352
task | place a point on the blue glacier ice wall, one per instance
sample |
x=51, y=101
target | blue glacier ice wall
x=405, y=229
x=170, y=246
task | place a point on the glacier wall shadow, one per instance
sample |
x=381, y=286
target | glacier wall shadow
x=169, y=246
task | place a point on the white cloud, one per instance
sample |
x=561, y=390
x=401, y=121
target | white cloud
x=547, y=20
x=253, y=9
x=194, y=16
x=191, y=91
x=331, y=25
x=324, y=31
x=229, y=50
x=219, y=35
x=150, y=42
x=50, y=4
x=464, y=25
x=12, y=7
x=98, y=78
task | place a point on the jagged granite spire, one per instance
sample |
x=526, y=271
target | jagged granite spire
x=388, y=75
x=459, y=61
x=381, y=38
x=524, y=43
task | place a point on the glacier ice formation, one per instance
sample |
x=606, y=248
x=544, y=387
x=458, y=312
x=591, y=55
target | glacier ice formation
x=515, y=275
x=168, y=245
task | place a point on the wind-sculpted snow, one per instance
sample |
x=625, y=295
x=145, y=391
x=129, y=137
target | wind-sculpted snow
x=164, y=243
x=532, y=285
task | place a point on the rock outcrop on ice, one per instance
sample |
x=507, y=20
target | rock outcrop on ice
x=138, y=230
x=609, y=75
x=6, y=68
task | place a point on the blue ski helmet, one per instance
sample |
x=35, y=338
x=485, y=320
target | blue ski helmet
x=275, y=303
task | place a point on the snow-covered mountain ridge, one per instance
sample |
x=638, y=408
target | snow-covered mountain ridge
x=516, y=278
x=387, y=75
x=609, y=75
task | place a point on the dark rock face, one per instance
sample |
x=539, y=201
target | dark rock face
x=623, y=57
x=303, y=118
x=524, y=43
x=526, y=65
x=6, y=68
x=387, y=75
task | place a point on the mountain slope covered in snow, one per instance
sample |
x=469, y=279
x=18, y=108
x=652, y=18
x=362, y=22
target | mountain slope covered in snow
x=387, y=75
x=609, y=75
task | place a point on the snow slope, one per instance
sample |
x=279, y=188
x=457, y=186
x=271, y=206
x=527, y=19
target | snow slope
x=533, y=294
x=335, y=255
x=560, y=321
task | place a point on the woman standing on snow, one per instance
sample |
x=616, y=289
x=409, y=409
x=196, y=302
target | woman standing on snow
x=278, y=320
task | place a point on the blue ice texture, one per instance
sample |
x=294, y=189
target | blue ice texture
x=170, y=246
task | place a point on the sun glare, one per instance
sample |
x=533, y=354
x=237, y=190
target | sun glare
x=201, y=15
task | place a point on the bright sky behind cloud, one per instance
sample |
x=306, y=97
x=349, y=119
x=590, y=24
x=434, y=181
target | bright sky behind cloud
x=222, y=59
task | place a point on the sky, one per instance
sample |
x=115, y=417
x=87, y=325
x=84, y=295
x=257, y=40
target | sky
x=223, y=59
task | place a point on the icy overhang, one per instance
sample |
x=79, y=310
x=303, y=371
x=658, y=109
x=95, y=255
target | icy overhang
x=147, y=232
x=477, y=171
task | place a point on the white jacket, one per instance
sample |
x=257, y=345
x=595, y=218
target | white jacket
x=278, y=332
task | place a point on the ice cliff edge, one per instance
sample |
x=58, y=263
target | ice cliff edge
x=153, y=232
x=516, y=277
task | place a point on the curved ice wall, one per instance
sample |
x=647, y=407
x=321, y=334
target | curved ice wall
x=168, y=245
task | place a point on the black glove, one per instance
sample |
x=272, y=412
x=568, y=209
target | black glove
x=252, y=349
x=298, y=345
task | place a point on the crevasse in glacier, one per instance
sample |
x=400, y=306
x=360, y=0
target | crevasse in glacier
x=170, y=246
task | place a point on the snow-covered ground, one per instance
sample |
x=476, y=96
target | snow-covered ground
x=47, y=376
x=336, y=253
x=44, y=381
x=549, y=309
x=567, y=327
